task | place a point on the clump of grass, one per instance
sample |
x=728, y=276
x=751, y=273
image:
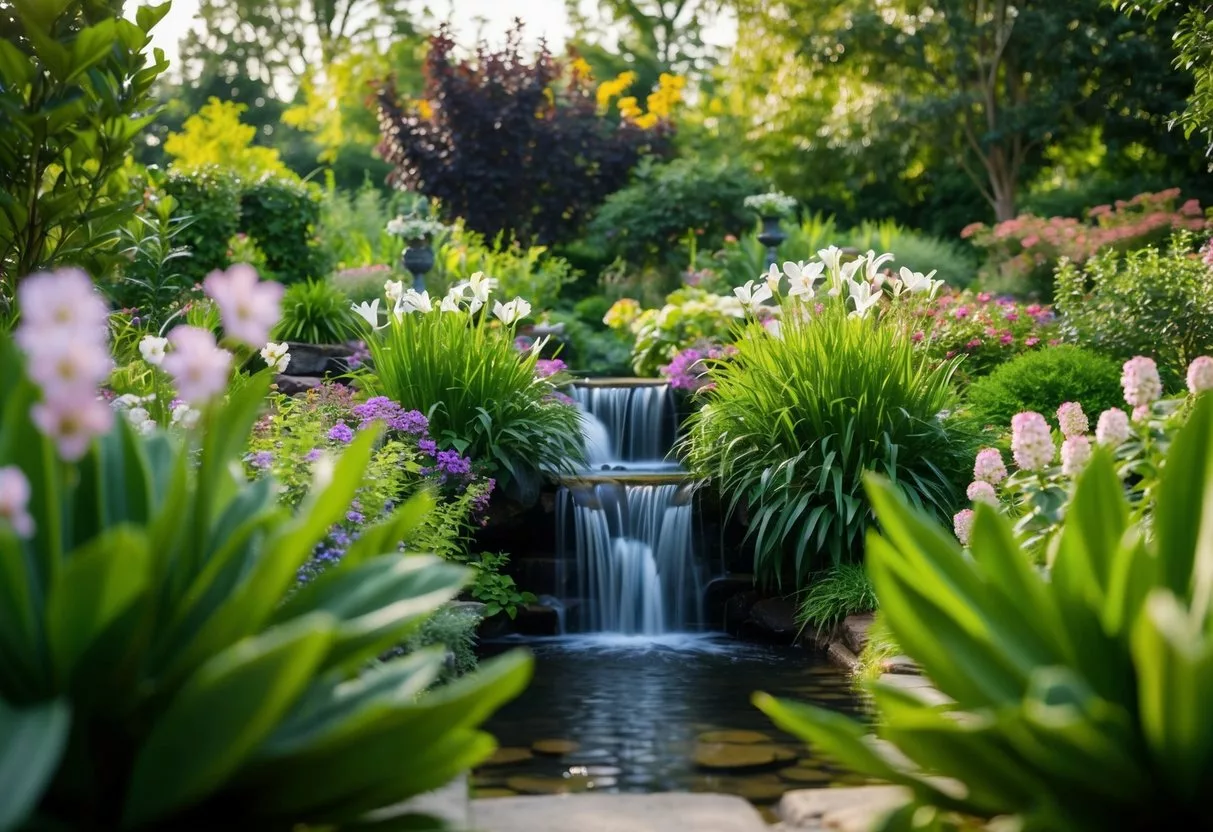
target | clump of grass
x=843, y=590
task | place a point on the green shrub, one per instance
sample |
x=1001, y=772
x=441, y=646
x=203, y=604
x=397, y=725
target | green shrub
x=315, y=312
x=1080, y=703
x=844, y=590
x=531, y=272
x=688, y=317
x=917, y=251
x=481, y=395
x=743, y=259
x=796, y=421
x=1041, y=381
x=282, y=215
x=353, y=228
x=1143, y=303
x=454, y=629
x=153, y=278
x=647, y=222
x=211, y=201
x=593, y=350
x=157, y=668
x=75, y=90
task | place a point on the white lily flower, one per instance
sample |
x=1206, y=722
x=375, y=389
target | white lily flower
x=873, y=263
x=126, y=401
x=772, y=278
x=831, y=259
x=919, y=283
x=369, y=312
x=450, y=303
x=511, y=311
x=801, y=278
x=414, y=301
x=849, y=270
x=864, y=297
x=152, y=349
x=276, y=356
x=394, y=290
x=751, y=296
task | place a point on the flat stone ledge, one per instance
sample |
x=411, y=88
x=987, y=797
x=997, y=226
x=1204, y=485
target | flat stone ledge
x=846, y=810
x=667, y=812
x=920, y=686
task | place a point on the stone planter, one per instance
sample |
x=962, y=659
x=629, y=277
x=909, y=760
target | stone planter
x=771, y=236
x=418, y=259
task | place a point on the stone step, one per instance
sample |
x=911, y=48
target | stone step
x=855, y=631
x=666, y=812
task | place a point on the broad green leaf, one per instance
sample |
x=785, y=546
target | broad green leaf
x=32, y=741
x=217, y=720
x=1096, y=520
x=1183, y=510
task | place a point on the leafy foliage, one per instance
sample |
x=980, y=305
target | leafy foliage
x=987, y=331
x=1079, y=705
x=510, y=145
x=315, y=312
x=455, y=630
x=1149, y=302
x=211, y=200
x=796, y=421
x=157, y=667
x=844, y=590
x=689, y=316
x=153, y=279
x=282, y=215
x=74, y=88
x=215, y=137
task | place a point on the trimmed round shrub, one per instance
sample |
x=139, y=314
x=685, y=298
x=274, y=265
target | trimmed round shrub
x=1042, y=381
x=209, y=200
x=282, y=216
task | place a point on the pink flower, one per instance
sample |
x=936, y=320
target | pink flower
x=973, y=344
x=980, y=491
x=917, y=336
x=72, y=422
x=249, y=308
x=1139, y=378
x=1031, y=341
x=1200, y=374
x=1072, y=420
x=1031, y=441
x=64, y=366
x=197, y=364
x=1112, y=428
x=962, y=524
x=14, y=500
x=989, y=467
x=1141, y=413
x=960, y=312
x=64, y=301
x=1012, y=316
x=1007, y=339
x=984, y=297
x=1030, y=241
x=1075, y=451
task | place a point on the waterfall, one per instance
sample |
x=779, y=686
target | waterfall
x=634, y=555
x=636, y=420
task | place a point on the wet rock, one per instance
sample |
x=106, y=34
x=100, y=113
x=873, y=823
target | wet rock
x=804, y=776
x=537, y=620
x=919, y=686
x=841, y=655
x=554, y=748
x=855, y=631
x=901, y=664
x=772, y=619
x=762, y=788
x=508, y=756
x=729, y=757
x=550, y=785
x=315, y=359
x=737, y=610
x=735, y=737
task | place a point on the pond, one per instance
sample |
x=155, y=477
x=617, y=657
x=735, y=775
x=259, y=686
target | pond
x=671, y=713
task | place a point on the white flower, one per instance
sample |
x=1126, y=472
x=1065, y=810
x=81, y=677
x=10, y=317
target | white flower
x=801, y=278
x=864, y=298
x=138, y=415
x=873, y=263
x=849, y=270
x=152, y=349
x=511, y=311
x=480, y=287
x=414, y=301
x=369, y=312
x=917, y=282
x=772, y=278
x=450, y=303
x=276, y=356
x=831, y=259
x=394, y=290
x=750, y=296
x=395, y=227
x=185, y=416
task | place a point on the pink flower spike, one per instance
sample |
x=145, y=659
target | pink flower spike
x=962, y=524
x=1072, y=420
x=1200, y=375
x=1112, y=429
x=1075, y=452
x=197, y=364
x=1031, y=441
x=14, y=500
x=1141, y=383
x=73, y=422
x=989, y=467
x=248, y=307
x=980, y=491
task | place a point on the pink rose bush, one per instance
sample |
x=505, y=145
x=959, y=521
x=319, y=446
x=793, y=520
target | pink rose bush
x=987, y=330
x=1037, y=492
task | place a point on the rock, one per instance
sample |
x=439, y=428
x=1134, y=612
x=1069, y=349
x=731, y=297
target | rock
x=467, y=608
x=813, y=808
x=554, y=748
x=294, y=385
x=537, y=620
x=669, y=812
x=508, y=756
x=550, y=785
x=315, y=359
x=730, y=757
x=855, y=631
x=737, y=609
x=776, y=615
x=901, y=664
x=735, y=737
x=842, y=656
x=920, y=686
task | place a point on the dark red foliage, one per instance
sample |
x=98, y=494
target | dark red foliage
x=510, y=145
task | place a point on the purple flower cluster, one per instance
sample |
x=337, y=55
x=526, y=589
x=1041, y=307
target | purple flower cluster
x=260, y=460
x=453, y=464
x=686, y=370
x=359, y=356
x=383, y=409
x=341, y=432
x=546, y=367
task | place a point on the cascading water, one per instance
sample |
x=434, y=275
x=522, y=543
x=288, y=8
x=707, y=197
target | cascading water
x=631, y=543
x=638, y=420
x=633, y=548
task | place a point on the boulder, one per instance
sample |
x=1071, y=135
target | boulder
x=855, y=631
x=317, y=359
x=294, y=385
x=775, y=617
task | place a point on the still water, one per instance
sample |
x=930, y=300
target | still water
x=614, y=713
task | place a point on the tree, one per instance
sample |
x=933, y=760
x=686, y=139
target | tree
x=516, y=145
x=987, y=85
x=75, y=82
x=215, y=137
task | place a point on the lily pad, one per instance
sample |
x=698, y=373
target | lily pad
x=550, y=785
x=554, y=748
x=508, y=756
x=737, y=737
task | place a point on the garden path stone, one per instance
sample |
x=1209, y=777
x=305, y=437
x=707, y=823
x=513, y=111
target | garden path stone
x=668, y=812
x=850, y=809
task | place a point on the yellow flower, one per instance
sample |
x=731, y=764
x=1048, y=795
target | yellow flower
x=647, y=121
x=424, y=109
x=581, y=68
x=608, y=90
x=628, y=108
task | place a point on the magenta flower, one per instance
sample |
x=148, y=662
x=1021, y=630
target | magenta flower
x=250, y=308
x=545, y=367
x=197, y=364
